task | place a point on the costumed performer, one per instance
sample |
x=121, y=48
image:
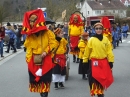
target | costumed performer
x=59, y=70
x=98, y=51
x=82, y=44
x=39, y=44
x=75, y=31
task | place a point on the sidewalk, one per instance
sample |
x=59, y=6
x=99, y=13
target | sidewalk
x=8, y=54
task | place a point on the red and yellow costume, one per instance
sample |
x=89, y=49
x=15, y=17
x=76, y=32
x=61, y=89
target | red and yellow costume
x=107, y=26
x=82, y=44
x=98, y=55
x=75, y=31
x=37, y=44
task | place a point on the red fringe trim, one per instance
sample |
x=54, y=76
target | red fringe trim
x=74, y=52
x=40, y=88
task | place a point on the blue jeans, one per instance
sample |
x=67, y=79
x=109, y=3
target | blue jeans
x=125, y=34
x=18, y=43
x=1, y=47
x=114, y=43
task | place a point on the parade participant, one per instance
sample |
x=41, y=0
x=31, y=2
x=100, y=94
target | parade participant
x=59, y=71
x=107, y=28
x=75, y=31
x=39, y=44
x=82, y=44
x=2, y=35
x=125, y=29
x=99, y=56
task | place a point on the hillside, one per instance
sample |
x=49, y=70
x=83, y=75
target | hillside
x=17, y=8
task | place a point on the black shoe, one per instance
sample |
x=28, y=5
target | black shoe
x=84, y=77
x=77, y=60
x=2, y=56
x=56, y=85
x=14, y=51
x=61, y=85
x=74, y=61
x=7, y=51
x=45, y=94
x=102, y=95
x=74, y=58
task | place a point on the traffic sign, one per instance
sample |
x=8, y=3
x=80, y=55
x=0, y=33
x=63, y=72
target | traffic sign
x=45, y=14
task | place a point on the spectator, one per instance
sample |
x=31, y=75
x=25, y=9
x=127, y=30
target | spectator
x=11, y=33
x=2, y=35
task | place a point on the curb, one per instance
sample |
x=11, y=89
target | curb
x=8, y=57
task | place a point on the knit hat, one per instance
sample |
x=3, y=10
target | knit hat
x=8, y=24
x=98, y=24
x=57, y=31
x=85, y=34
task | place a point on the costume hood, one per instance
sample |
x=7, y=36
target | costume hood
x=39, y=24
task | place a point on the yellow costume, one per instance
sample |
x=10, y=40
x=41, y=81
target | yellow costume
x=82, y=44
x=75, y=31
x=33, y=44
x=62, y=46
x=94, y=47
x=45, y=42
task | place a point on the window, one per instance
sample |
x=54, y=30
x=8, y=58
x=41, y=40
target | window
x=113, y=11
x=120, y=11
x=88, y=12
x=97, y=12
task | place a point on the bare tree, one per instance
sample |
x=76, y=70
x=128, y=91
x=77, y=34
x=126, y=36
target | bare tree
x=56, y=7
x=4, y=10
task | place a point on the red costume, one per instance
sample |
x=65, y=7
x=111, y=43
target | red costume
x=75, y=31
x=40, y=41
x=107, y=28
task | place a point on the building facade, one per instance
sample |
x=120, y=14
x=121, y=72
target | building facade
x=102, y=7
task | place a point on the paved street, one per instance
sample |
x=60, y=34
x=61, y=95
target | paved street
x=14, y=77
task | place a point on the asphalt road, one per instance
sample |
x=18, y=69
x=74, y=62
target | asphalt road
x=14, y=77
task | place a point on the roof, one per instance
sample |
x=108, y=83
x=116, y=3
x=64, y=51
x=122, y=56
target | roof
x=105, y=5
x=123, y=1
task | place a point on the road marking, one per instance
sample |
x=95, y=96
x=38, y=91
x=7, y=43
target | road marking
x=123, y=40
x=128, y=42
x=10, y=57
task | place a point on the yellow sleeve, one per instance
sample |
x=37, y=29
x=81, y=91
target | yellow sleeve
x=52, y=42
x=65, y=44
x=82, y=30
x=87, y=52
x=28, y=49
x=110, y=54
x=69, y=30
x=81, y=46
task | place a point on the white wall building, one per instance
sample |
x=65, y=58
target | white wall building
x=100, y=7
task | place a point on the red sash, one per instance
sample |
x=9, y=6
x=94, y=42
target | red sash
x=101, y=72
x=46, y=66
x=60, y=59
x=74, y=42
